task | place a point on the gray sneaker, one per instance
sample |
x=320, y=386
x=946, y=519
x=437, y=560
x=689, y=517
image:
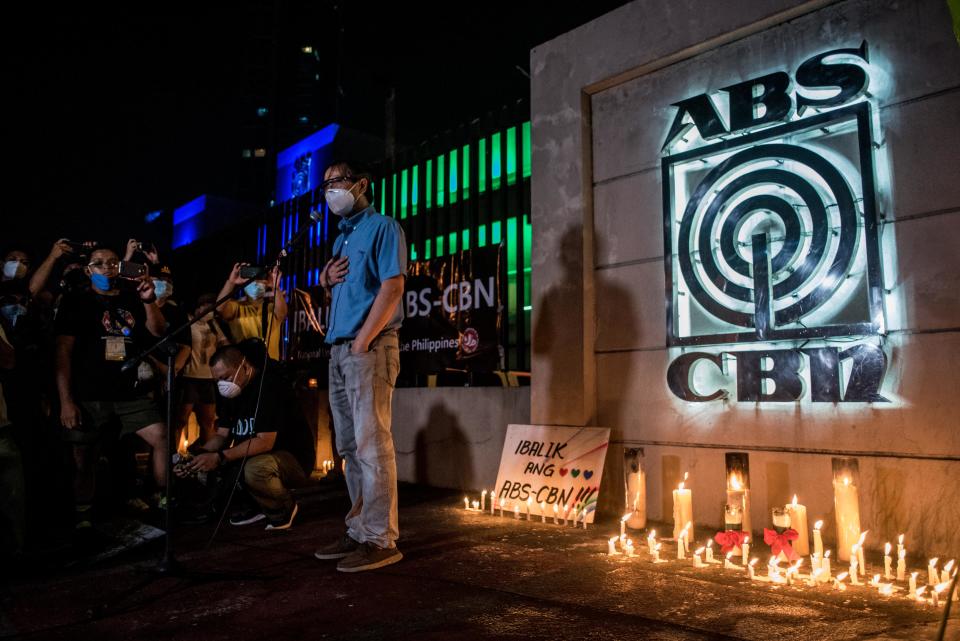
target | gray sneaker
x=338, y=549
x=369, y=557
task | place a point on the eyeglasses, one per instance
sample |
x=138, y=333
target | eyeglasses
x=110, y=264
x=336, y=180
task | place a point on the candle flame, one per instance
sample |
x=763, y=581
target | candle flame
x=746, y=539
x=914, y=574
x=940, y=587
x=680, y=487
x=826, y=554
x=933, y=562
x=686, y=475
x=863, y=537
x=886, y=549
x=710, y=543
x=818, y=525
x=555, y=508
x=613, y=539
x=900, y=539
x=794, y=500
x=876, y=579
x=753, y=561
x=735, y=482
x=657, y=547
x=625, y=517
x=842, y=576
x=921, y=590
x=484, y=493
x=948, y=566
x=652, y=535
x=699, y=551
x=773, y=562
x=729, y=554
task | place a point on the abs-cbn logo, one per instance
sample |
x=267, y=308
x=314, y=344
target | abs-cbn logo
x=771, y=234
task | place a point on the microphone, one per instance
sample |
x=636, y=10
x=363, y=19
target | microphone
x=315, y=217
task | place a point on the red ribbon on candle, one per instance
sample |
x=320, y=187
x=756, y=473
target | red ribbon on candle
x=729, y=540
x=781, y=542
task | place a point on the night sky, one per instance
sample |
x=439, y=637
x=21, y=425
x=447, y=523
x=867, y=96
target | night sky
x=115, y=113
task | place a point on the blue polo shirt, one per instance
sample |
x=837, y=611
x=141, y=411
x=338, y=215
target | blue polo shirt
x=377, y=250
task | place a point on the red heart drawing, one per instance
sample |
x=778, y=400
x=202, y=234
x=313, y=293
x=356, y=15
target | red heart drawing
x=563, y=471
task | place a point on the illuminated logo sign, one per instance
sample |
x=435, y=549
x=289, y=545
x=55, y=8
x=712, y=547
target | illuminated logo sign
x=771, y=232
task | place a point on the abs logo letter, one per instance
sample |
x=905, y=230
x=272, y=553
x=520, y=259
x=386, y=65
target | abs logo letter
x=771, y=230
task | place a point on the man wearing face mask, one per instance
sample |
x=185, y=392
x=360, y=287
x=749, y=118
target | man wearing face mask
x=162, y=277
x=260, y=313
x=97, y=330
x=365, y=281
x=258, y=419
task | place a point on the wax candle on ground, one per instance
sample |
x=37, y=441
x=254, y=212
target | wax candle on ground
x=656, y=553
x=698, y=558
x=612, y=546
x=466, y=503
x=887, y=561
x=628, y=547
x=483, y=501
x=825, y=566
x=913, y=583
x=818, y=539
x=901, y=564
x=919, y=595
x=728, y=564
x=846, y=500
x=623, y=523
x=745, y=549
x=652, y=540
x=945, y=573
x=710, y=558
x=860, y=559
x=838, y=582
x=932, y=576
x=516, y=511
x=682, y=507
x=750, y=568
x=543, y=512
x=798, y=521
x=556, y=513
x=529, y=503
x=476, y=506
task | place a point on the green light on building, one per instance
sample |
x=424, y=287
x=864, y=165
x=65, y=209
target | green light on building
x=482, y=169
x=393, y=195
x=428, y=255
x=441, y=172
x=527, y=152
x=439, y=246
x=482, y=236
x=495, y=161
x=511, y=155
x=414, y=189
x=495, y=236
x=465, y=181
x=403, y=193
x=465, y=239
x=383, y=200
x=453, y=176
x=413, y=251
x=452, y=242
x=429, y=184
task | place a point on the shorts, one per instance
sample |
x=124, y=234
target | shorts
x=100, y=417
x=196, y=391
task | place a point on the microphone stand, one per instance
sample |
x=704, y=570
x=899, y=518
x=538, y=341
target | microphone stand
x=166, y=346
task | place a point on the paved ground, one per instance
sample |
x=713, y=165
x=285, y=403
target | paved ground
x=464, y=576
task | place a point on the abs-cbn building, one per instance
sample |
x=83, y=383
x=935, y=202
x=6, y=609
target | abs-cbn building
x=746, y=247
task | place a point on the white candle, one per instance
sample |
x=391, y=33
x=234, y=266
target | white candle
x=875, y=581
x=814, y=578
x=697, y=558
x=919, y=595
x=656, y=553
x=636, y=495
x=682, y=508
x=886, y=589
x=838, y=582
x=493, y=503
x=516, y=511
x=681, y=545
x=687, y=533
x=913, y=583
x=628, y=547
x=899, y=544
x=476, y=506
x=483, y=501
x=887, y=561
x=556, y=513
x=853, y=565
x=794, y=571
x=750, y=571
x=901, y=564
x=825, y=567
x=543, y=512
x=652, y=541
x=932, y=575
x=466, y=503
x=745, y=549
x=566, y=508
x=612, y=546
x=860, y=560
x=623, y=523
x=773, y=570
x=728, y=564
x=529, y=503
x=935, y=595
x=501, y=507
x=945, y=573
x=583, y=518
x=818, y=539
x=798, y=521
x=814, y=561
x=846, y=501
x=710, y=551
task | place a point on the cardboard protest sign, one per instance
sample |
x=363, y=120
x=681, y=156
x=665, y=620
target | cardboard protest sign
x=559, y=466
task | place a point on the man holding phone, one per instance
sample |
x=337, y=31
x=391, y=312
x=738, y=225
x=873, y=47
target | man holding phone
x=97, y=331
x=262, y=310
x=365, y=279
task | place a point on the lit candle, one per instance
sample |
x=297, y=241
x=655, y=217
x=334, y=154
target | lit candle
x=623, y=523
x=656, y=553
x=566, y=508
x=901, y=564
x=899, y=544
x=493, y=502
x=483, y=501
x=887, y=561
x=583, y=517
x=913, y=583
x=750, y=568
x=612, y=546
x=710, y=558
x=838, y=582
x=745, y=549
x=556, y=513
x=886, y=589
x=466, y=503
x=815, y=578
x=529, y=503
x=681, y=544
x=818, y=539
x=476, y=506
x=853, y=565
x=501, y=508
x=932, y=575
x=935, y=594
x=516, y=511
x=846, y=501
x=628, y=547
x=682, y=507
x=687, y=533
x=652, y=541
x=825, y=567
x=697, y=558
x=728, y=564
x=543, y=512
x=793, y=571
x=798, y=521
x=945, y=573
x=773, y=570
x=919, y=595
x=863, y=564
x=875, y=581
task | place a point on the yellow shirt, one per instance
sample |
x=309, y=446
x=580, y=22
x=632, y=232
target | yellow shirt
x=247, y=321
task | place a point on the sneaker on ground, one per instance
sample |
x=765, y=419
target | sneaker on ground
x=285, y=523
x=368, y=557
x=247, y=517
x=337, y=549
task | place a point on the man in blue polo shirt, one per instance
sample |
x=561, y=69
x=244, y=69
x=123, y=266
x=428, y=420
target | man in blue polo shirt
x=365, y=280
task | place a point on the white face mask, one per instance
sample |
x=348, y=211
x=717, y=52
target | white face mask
x=230, y=389
x=340, y=201
x=14, y=269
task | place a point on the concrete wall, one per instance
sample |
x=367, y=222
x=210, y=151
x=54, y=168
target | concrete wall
x=452, y=436
x=601, y=99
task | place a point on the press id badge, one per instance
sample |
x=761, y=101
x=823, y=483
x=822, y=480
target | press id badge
x=115, y=348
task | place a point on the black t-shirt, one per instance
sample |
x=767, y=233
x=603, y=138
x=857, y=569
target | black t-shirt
x=279, y=412
x=176, y=318
x=108, y=330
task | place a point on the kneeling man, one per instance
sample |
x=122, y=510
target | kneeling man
x=258, y=417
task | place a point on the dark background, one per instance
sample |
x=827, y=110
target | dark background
x=116, y=112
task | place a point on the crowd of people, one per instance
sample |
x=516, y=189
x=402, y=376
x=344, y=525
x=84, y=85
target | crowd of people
x=79, y=394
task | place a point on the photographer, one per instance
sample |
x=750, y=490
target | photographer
x=258, y=419
x=97, y=330
x=250, y=317
x=197, y=387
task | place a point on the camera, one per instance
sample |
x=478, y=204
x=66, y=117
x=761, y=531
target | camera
x=133, y=271
x=253, y=272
